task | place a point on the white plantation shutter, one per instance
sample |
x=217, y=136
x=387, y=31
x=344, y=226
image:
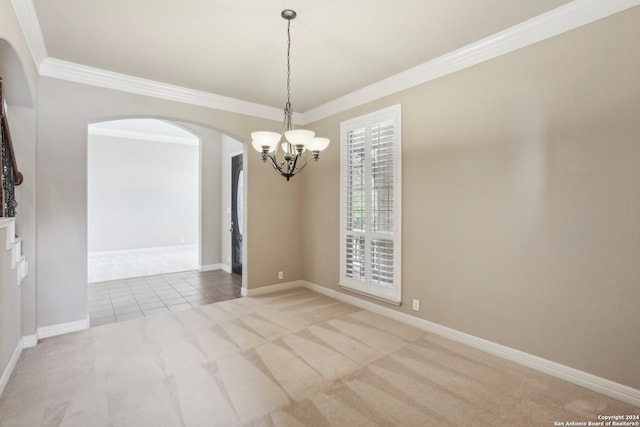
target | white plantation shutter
x=355, y=258
x=370, y=206
x=356, y=197
x=382, y=262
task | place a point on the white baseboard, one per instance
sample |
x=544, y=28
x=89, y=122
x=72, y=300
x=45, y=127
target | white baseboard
x=8, y=370
x=29, y=341
x=584, y=379
x=125, y=252
x=63, y=328
x=212, y=267
x=272, y=288
x=592, y=382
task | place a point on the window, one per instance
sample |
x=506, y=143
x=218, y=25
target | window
x=370, y=192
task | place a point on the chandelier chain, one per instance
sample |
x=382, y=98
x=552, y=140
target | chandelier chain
x=289, y=63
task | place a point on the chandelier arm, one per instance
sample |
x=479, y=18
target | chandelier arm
x=292, y=151
x=291, y=166
x=288, y=173
x=273, y=162
x=306, y=161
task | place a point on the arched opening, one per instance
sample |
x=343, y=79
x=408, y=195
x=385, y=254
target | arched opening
x=157, y=218
x=16, y=87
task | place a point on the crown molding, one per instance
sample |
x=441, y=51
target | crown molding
x=78, y=73
x=28, y=20
x=92, y=76
x=557, y=21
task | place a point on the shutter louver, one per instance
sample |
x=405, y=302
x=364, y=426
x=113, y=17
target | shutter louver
x=370, y=209
x=356, y=190
x=382, y=262
x=355, y=257
x=382, y=177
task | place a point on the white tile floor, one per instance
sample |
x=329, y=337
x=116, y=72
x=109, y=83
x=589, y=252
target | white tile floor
x=115, y=265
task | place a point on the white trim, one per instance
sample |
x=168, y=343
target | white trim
x=592, y=382
x=359, y=291
x=263, y=290
x=552, y=23
x=28, y=20
x=14, y=245
x=138, y=250
x=10, y=225
x=16, y=253
x=78, y=73
x=23, y=269
x=557, y=21
x=167, y=254
x=63, y=328
x=24, y=342
x=11, y=365
x=29, y=341
x=584, y=379
x=145, y=136
x=211, y=267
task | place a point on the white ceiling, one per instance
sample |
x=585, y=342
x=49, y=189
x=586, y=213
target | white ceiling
x=238, y=48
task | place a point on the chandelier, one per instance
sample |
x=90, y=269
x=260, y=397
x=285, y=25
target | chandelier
x=295, y=142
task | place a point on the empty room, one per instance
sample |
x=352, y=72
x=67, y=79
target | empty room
x=407, y=213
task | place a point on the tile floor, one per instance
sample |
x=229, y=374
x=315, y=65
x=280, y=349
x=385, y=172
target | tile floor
x=126, y=299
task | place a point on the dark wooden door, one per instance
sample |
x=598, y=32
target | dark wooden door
x=236, y=213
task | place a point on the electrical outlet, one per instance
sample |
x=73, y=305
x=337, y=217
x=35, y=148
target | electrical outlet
x=280, y=275
x=416, y=305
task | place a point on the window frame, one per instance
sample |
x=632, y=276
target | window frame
x=366, y=287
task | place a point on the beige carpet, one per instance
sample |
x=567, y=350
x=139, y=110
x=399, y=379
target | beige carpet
x=291, y=359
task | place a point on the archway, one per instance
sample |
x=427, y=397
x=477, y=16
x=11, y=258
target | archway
x=16, y=86
x=156, y=209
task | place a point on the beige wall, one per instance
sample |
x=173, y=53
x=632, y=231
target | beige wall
x=64, y=110
x=520, y=199
x=210, y=188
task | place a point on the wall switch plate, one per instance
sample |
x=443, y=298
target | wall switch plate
x=280, y=275
x=416, y=305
